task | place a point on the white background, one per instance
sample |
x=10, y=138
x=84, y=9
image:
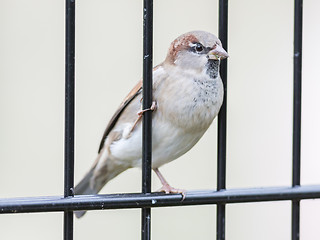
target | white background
x=108, y=64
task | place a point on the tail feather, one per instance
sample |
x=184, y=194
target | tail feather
x=101, y=172
x=79, y=214
x=84, y=188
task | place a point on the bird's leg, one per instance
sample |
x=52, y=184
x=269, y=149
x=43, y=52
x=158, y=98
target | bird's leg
x=166, y=187
x=141, y=112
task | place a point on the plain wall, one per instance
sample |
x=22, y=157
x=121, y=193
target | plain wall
x=108, y=64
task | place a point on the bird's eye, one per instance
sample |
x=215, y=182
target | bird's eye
x=198, y=47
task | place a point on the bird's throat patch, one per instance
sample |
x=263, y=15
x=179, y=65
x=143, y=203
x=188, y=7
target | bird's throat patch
x=213, y=68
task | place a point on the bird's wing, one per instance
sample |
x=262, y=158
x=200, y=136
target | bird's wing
x=132, y=94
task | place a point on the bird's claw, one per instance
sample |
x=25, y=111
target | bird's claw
x=166, y=188
x=140, y=113
x=152, y=108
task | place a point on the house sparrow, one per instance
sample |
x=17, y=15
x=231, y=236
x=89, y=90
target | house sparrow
x=187, y=94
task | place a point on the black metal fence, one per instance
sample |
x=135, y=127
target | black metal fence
x=147, y=200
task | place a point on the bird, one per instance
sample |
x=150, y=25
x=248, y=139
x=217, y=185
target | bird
x=187, y=95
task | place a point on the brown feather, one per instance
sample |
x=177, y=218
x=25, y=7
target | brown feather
x=127, y=100
x=132, y=94
x=178, y=45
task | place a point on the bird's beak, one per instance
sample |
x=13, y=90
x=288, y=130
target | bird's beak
x=217, y=53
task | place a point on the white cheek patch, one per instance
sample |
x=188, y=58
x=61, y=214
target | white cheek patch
x=191, y=61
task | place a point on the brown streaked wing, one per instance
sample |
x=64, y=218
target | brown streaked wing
x=132, y=94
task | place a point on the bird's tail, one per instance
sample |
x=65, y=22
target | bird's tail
x=84, y=188
x=102, y=171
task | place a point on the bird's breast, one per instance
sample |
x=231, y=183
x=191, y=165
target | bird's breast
x=190, y=103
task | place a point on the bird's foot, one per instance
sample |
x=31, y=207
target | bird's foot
x=168, y=189
x=140, y=113
x=152, y=108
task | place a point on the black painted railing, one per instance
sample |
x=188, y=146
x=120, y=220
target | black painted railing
x=147, y=200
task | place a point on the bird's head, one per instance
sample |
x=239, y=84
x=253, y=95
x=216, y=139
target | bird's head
x=197, y=50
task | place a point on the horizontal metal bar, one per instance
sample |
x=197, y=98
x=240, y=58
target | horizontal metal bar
x=140, y=200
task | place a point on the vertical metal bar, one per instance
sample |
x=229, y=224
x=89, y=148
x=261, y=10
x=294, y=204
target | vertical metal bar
x=221, y=217
x=147, y=117
x=222, y=120
x=296, y=141
x=297, y=92
x=295, y=222
x=69, y=114
x=222, y=117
